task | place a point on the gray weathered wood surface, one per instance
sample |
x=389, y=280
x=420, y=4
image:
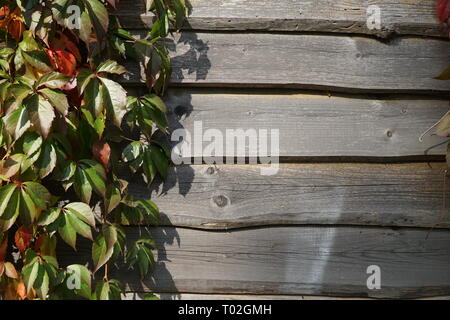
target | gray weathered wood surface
x=344, y=16
x=197, y=296
x=293, y=260
x=314, y=125
x=306, y=61
x=320, y=224
x=230, y=196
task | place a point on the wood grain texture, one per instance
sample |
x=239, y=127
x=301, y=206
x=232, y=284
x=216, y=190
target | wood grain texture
x=292, y=261
x=197, y=296
x=231, y=196
x=345, y=16
x=306, y=61
x=313, y=125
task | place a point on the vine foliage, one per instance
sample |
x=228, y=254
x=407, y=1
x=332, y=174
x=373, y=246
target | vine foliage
x=68, y=131
x=442, y=127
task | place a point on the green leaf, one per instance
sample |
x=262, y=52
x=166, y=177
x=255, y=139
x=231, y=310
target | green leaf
x=11, y=166
x=83, y=79
x=82, y=186
x=102, y=290
x=151, y=112
x=147, y=241
x=6, y=193
x=100, y=252
x=49, y=216
x=111, y=66
x=66, y=172
x=27, y=208
x=11, y=211
x=115, y=98
x=94, y=100
x=37, y=59
x=80, y=227
x=47, y=159
x=57, y=100
x=132, y=151
x=30, y=273
x=41, y=114
x=160, y=159
x=95, y=174
x=31, y=143
x=17, y=122
x=54, y=80
x=82, y=211
x=85, y=26
x=68, y=232
x=38, y=193
x=112, y=197
x=156, y=101
x=150, y=296
x=149, y=167
x=110, y=233
x=42, y=282
x=99, y=16
x=150, y=209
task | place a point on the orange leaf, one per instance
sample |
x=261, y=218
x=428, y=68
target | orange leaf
x=21, y=290
x=22, y=238
x=63, y=61
x=102, y=151
x=4, y=16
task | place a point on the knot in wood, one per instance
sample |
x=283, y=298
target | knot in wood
x=221, y=201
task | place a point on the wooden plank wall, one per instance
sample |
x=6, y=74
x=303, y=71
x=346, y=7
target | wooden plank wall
x=355, y=187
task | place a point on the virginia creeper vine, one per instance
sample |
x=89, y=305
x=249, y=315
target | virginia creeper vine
x=68, y=131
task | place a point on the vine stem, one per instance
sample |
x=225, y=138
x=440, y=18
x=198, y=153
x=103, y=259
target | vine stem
x=434, y=125
x=105, y=278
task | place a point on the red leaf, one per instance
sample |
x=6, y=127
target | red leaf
x=63, y=61
x=13, y=22
x=3, y=248
x=102, y=151
x=22, y=238
x=443, y=10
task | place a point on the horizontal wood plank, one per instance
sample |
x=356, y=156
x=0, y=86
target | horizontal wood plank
x=345, y=16
x=231, y=196
x=312, y=125
x=292, y=261
x=197, y=296
x=306, y=61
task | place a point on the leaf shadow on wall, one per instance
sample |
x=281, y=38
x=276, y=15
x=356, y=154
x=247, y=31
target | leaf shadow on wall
x=179, y=104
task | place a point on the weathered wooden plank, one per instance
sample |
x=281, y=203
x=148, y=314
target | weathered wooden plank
x=230, y=196
x=306, y=61
x=313, y=125
x=196, y=296
x=292, y=260
x=345, y=16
